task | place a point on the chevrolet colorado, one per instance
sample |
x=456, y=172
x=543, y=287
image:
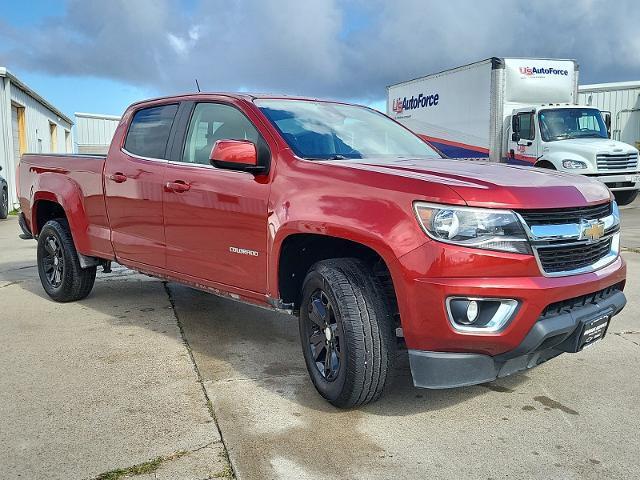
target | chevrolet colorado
x=338, y=214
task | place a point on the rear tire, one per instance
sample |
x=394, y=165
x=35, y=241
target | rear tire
x=4, y=204
x=625, y=197
x=346, y=332
x=58, y=264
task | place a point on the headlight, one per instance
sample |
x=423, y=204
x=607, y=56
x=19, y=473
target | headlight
x=573, y=164
x=473, y=227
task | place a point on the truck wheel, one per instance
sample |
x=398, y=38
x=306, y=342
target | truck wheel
x=346, y=332
x=4, y=204
x=625, y=197
x=58, y=265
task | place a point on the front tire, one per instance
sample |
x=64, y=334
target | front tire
x=4, y=204
x=625, y=197
x=346, y=332
x=58, y=266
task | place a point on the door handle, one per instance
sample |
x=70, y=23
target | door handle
x=178, y=186
x=118, y=177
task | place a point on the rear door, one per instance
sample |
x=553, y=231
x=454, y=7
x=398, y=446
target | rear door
x=215, y=219
x=133, y=187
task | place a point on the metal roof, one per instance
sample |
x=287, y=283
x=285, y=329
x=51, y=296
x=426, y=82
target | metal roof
x=21, y=85
x=99, y=116
x=609, y=86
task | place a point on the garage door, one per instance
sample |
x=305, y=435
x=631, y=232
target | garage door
x=16, y=135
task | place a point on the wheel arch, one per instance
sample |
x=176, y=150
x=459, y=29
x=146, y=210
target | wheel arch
x=64, y=200
x=298, y=251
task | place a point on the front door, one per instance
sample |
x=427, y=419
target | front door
x=133, y=187
x=216, y=219
x=523, y=148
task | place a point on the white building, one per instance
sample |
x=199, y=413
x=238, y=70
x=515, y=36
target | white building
x=622, y=99
x=94, y=132
x=28, y=124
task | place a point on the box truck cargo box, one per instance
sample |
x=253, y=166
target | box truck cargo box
x=517, y=110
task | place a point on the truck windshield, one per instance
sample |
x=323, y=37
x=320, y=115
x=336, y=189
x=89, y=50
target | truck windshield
x=563, y=123
x=332, y=131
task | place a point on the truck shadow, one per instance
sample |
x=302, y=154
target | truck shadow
x=232, y=341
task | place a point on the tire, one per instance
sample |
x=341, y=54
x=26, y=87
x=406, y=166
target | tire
x=4, y=204
x=344, y=296
x=625, y=197
x=58, y=265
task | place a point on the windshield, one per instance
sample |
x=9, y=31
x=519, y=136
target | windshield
x=322, y=130
x=564, y=123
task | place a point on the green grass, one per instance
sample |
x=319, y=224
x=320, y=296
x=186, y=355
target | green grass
x=15, y=211
x=140, y=469
x=227, y=471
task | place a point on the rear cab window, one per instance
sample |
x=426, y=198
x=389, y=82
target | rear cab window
x=149, y=130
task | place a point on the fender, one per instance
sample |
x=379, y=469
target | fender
x=67, y=193
x=356, y=234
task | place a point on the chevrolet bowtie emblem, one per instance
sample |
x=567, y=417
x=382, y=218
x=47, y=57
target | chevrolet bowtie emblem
x=592, y=229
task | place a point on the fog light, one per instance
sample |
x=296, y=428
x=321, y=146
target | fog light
x=480, y=314
x=472, y=311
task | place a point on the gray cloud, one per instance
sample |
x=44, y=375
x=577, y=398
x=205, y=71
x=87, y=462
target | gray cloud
x=349, y=49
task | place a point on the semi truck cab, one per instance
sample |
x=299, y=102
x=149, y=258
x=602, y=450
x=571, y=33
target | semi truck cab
x=573, y=138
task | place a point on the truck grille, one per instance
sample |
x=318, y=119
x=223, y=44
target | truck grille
x=617, y=162
x=559, y=238
x=561, y=216
x=572, y=257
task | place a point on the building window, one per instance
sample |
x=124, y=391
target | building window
x=53, y=136
x=67, y=141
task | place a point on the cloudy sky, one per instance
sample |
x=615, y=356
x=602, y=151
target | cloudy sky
x=99, y=56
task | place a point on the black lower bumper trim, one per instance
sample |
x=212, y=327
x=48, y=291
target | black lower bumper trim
x=548, y=338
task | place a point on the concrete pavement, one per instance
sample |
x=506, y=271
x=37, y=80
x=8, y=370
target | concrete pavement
x=576, y=417
x=631, y=225
x=108, y=383
x=98, y=385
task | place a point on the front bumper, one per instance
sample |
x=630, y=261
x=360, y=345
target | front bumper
x=549, y=337
x=619, y=181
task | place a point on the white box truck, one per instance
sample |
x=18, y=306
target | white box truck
x=622, y=101
x=520, y=111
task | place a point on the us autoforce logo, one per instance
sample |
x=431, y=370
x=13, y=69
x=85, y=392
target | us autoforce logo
x=592, y=230
x=421, y=101
x=534, y=71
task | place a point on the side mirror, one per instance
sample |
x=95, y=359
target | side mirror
x=515, y=128
x=235, y=155
x=607, y=122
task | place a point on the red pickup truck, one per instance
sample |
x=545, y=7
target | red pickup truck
x=338, y=214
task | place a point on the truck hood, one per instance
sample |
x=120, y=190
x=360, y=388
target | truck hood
x=488, y=184
x=589, y=147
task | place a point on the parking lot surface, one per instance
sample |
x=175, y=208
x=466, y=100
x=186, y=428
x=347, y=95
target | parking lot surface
x=108, y=383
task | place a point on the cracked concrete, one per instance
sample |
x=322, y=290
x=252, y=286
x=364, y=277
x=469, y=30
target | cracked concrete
x=96, y=385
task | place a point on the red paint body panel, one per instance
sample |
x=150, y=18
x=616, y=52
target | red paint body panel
x=181, y=221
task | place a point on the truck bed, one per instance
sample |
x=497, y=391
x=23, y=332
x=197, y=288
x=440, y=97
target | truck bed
x=63, y=179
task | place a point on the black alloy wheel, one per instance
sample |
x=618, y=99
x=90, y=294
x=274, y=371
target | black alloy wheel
x=53, y=261
x=323, y=336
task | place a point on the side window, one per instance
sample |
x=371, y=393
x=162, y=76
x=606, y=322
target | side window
x=527, y=127
x=149, y=131
x=212, y=122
